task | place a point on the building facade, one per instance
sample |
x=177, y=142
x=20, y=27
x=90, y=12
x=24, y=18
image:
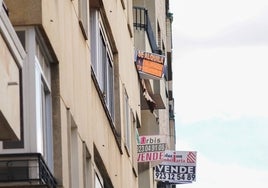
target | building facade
x=152, y=33
x=72, y=102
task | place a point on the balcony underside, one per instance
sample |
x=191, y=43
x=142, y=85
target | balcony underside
x=159, y=103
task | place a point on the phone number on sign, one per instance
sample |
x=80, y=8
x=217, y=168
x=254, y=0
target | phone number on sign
x=163, y=176
x=151, y=148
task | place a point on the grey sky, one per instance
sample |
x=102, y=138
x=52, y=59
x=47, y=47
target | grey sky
x=220, y=62
x=243, y=25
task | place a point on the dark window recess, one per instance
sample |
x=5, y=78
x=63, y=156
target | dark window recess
x=21, y=35
x=103, y=171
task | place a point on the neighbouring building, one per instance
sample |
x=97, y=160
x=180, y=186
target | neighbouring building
x=152, y=34
x=72, y=100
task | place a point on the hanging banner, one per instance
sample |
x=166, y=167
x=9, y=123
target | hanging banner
x=151, y=148
x=150, y=65
x=177, y=167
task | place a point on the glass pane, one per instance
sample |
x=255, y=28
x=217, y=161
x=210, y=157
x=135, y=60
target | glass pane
x=97, y=182
x=111, y=89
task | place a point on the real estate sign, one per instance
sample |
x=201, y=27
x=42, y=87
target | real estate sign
x=150, y=65
x=174, y=173
x=177, y=167
x=151, y=148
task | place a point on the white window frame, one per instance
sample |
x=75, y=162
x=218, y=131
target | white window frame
x=43, y=102
x=102, y=60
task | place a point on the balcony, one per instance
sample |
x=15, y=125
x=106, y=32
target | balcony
x=142, y=22
x=153, y=94
x=25, y=170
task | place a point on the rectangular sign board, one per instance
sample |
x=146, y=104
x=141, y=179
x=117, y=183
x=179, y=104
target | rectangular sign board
x=174, y=174
x=177, y=167
x=151, y=148
x=150, y=65
x=180, y=157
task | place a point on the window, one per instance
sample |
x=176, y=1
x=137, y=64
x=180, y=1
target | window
x=98, y=180
x=100, y=173
x=135, y=140
x=127, y=122
x=87, y=165
x=74, y=157
x=159, y=40
x=129, y=8
x=43, y=103
x=102, y=60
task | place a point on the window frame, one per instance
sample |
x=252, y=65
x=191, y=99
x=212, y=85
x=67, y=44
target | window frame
x=127, y=124
x=102, y=62
x=44, y=111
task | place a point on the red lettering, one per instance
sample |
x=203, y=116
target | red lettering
x=161, y=155
x=151, y=156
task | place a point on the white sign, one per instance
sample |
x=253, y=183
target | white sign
x=177, y=167
x=151, y=148
x=174, y=174
x=180, y=157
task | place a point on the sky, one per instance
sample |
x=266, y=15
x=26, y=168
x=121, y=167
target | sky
x=220, y=81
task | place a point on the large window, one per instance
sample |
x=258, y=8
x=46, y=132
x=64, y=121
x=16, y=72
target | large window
x=102, y=60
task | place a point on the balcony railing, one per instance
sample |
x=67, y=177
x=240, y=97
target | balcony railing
x=142, y=22
x=24, y=169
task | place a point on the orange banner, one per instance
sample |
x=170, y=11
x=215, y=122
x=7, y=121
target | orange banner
x=150, y=63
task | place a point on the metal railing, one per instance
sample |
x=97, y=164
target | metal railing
x=25, y=168
x=141, y=21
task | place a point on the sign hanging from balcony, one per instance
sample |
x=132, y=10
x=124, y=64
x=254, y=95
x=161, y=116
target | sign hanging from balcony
x=151, y=148
x=177, y=167
x=150, y=65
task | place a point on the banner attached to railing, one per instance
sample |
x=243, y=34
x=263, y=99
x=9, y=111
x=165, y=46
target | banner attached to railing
x=150, y=65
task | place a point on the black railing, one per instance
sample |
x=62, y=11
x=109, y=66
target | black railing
x=142, y=22
x=25, y=168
